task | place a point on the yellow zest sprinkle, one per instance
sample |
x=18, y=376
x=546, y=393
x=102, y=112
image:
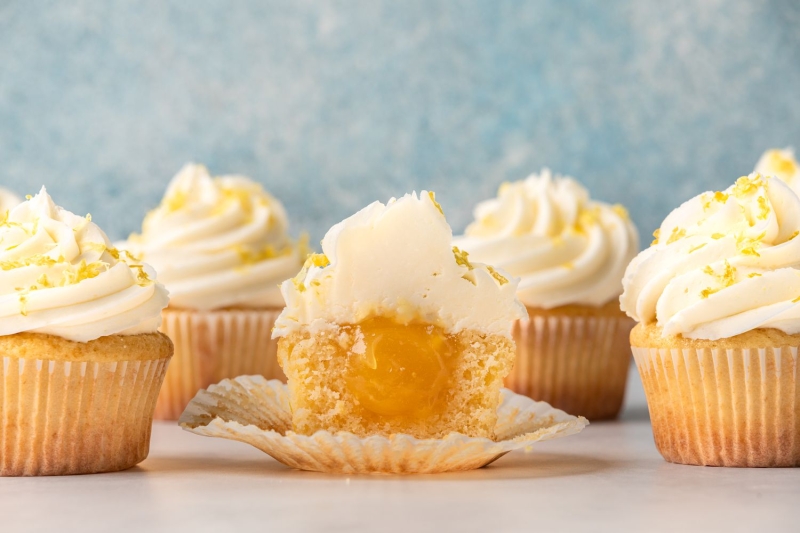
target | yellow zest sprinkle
x=793, y=235
x=763, y=208
x=656, y=233
x=249, y=257
x=496, y=275
x=717, y=236
x=796, y=300
x=749, y=246
x=28, y=196
x=695, y=248
x=746, y=186
x=315, y=283
x=243, y=197
x=176, y=201
x=44, y=281
x=317, y=260
x=726, y=279
x=720, y=197
x=298, y=284
x=677, y=233
x=95, y=247
x=620, y=210
x=142, y=279
x=705, y=201
x=753, y=275
x=88, y=217
x=84, y=271
x=23, y=304
x=462, y=258
x=38, y=260
x=432, y=196
x=587, y=217
x=781, y=164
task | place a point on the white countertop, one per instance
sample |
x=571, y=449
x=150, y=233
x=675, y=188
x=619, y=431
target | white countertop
x=608, y=478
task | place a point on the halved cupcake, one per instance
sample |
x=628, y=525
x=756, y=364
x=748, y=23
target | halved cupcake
x=570, y=253
x=221, y=247
x=82, y=361
x=393, y=330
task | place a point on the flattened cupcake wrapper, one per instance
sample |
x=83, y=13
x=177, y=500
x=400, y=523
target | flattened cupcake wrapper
x=61, y=417
x=256, y=411
x=211, y=346
x=723, y=407
x=575, y=363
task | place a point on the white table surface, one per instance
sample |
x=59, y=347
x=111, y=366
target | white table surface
x=608, y=478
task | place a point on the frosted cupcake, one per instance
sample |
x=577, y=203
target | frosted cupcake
x=393, y=330
x=717, y=298
x=220, y=245
x=570, y=253
x=82, y=358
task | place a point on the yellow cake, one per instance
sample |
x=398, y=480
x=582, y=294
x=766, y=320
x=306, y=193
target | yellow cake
x=717, y=298
x=82, y=361
x=393, y=330
x=570, y=253
x=220, y=246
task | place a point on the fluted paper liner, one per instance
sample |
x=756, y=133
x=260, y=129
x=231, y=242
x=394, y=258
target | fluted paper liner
x=62, y=417
x=575, y=363
x=214, y=345
x=723, y=407
x=254, y=410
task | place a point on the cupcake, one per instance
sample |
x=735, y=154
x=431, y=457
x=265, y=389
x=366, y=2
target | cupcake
x=392, y=330
x=82, y=358
x=717, y=298
x=570, y=253
x=220, y=245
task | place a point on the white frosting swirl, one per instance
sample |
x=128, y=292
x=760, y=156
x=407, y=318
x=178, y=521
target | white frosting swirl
x=218, y=242
x=722, y=264
x=398, y=260
x=565, y=248
x=8, y=200
x=781, y=164
x=59, y=275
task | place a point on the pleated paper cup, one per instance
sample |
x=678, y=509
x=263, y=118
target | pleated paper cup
x=574, y=358
x=76, y=417
x=214, y=345
x=254, y=410
x=723, y=406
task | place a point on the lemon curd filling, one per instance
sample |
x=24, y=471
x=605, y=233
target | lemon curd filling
x=398, y=369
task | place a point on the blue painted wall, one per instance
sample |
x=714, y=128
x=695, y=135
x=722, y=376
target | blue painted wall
x=335, y=104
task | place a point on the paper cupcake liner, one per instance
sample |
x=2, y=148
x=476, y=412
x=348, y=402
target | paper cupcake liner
x=256, y=411
x=723, y=407
x=212, y=346
x=575, y=363
x=61, y=417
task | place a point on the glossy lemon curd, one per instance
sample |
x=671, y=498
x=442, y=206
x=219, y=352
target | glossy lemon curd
x=399, y=370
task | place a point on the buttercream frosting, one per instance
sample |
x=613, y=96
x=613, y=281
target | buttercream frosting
x=60, y=275
x=218, y=242
x=565, y=247
x=721, y=264
x=398, y=260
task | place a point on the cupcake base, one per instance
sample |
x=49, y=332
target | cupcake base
x=731, y=402
x=574, y=357
x=214, y=345
x=69, y=408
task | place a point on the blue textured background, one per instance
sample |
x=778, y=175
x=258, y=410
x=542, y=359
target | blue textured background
x=335, y=104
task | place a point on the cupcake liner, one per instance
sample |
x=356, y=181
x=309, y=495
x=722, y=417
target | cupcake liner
x=256, y=411
x=62, y=417
x=723, y=407
x=211, y=346
x=573, y=362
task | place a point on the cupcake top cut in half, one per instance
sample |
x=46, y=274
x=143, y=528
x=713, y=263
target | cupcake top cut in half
x=59, y=275
x=218, y=242
x=398, y=261
x=722, y=264
x=565, y=247
x=394, y=330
